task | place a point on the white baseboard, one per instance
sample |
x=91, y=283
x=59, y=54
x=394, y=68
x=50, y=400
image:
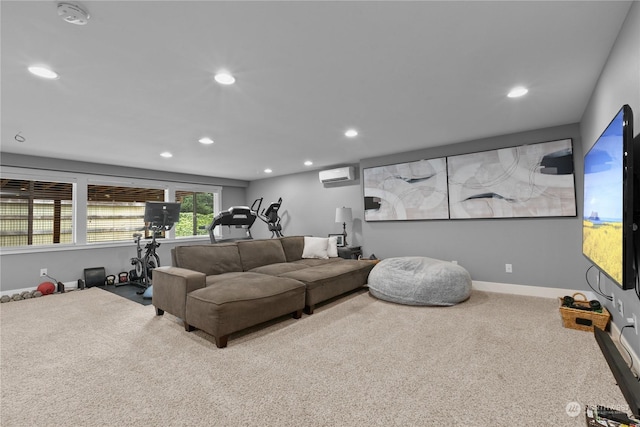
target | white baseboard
x=531, y=291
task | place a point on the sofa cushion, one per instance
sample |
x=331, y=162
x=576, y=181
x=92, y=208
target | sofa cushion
x=312, y=262
x=293, y=246
x=278, y=268
x=331, y=279
x=245, y=286
x=208, y=259
x=327, y=273
x=217, y=278
x=256, y=253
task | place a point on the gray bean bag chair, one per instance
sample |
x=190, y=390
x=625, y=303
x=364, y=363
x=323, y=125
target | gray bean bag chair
x=419, y=281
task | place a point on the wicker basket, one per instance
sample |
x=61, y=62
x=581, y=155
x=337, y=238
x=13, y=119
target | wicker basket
x=582, y=320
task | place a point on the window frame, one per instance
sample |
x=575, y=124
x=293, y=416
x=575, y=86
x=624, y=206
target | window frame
x=150, y=185
x=217, y=196
x=80, y=182
x=27, y=175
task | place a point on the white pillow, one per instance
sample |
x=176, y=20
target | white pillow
x=332, y=247
x=315, y=247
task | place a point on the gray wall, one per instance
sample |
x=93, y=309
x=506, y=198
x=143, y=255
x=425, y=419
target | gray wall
x=543, y=252
x=308, y=207
x=22, y=270
x=619, y=84
x=61, y=165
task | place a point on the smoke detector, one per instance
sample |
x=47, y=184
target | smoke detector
x=73, y=13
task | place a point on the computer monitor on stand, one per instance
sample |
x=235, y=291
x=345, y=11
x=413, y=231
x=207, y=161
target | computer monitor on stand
x=161, y=215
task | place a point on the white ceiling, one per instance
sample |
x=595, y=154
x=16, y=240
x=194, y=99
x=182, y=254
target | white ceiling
x=137, y=80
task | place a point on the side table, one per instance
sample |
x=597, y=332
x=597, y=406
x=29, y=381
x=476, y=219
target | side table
x=350, y=252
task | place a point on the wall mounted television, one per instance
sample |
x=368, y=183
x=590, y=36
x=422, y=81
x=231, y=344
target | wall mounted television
x=609, y=213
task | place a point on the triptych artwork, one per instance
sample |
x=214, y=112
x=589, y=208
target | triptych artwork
x=534, y=180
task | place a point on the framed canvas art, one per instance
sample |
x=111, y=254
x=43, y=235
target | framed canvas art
x=535, y=180
x=406, y=191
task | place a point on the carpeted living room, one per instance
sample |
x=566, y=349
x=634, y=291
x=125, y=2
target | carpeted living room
x=368, y=213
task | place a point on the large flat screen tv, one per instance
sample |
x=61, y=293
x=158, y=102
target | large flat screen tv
x=609, y=216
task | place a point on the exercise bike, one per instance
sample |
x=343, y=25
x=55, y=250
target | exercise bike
x=143, y=265
x=160, y=216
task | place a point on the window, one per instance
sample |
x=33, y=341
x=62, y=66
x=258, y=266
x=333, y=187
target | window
x=35, y=213
x=40, y=212
x=196, y=212
x=115, y=213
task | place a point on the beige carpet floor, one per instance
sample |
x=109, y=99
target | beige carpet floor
x=92, y=358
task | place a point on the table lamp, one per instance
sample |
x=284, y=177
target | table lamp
x=343, y=215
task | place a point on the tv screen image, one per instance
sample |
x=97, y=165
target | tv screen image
x=608, y=212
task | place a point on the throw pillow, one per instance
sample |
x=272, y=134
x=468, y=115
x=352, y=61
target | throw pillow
x=315, y=247
x=332, y=247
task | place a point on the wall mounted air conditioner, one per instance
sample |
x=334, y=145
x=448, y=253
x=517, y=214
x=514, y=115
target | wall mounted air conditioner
x=337, y=175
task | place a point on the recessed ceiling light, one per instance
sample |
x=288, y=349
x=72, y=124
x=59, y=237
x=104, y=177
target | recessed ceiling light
x=166, y=154
x=225, y=78
x=308, y=163
x=351, y=133
x=517, y=92
x=268, y=170
x=206, y=140
x=43, y=72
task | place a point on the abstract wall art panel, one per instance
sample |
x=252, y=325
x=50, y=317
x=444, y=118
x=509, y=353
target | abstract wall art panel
x=406, y=191
x=535, y=180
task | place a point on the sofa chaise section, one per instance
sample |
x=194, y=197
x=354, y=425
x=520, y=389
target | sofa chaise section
x=240, y=302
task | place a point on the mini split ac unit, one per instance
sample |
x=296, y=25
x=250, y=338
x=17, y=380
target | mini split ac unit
x=337, y=175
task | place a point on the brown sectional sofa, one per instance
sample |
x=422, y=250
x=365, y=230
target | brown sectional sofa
x=226, y=287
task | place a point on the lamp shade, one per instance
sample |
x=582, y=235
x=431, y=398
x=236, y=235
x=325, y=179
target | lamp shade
x=343, y=215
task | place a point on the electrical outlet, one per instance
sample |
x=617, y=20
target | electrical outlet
x=620, y=308
x=508, y=268
x=43, y=272
x=635, y=322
